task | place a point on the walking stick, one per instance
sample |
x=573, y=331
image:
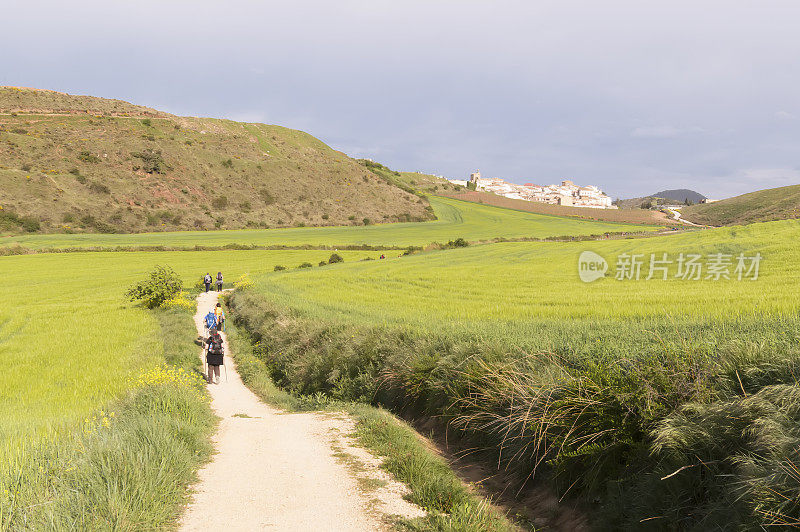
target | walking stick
x=226, y=368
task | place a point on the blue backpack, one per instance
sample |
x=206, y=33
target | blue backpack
x=211, y=320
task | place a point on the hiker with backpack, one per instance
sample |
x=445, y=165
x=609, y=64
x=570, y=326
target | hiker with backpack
x=207, y=281
x=210, y=320
x=220, y=315
x=215, y=356
x=219, y=281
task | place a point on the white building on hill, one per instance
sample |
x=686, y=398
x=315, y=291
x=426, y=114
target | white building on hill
x=567, y=193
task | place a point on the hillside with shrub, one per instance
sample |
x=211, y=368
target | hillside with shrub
x=85, y=164
x=781, y=203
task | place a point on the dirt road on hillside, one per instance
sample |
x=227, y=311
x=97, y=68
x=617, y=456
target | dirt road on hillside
x=277, y=471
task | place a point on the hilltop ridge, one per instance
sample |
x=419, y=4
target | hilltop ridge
x=780, y=203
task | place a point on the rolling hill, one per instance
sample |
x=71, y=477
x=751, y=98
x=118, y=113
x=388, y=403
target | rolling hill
x=665, y=197
x=761, y=206
x=680, y=195
x=84, y=164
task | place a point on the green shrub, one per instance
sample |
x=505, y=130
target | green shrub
x=334, y=258
x=266, y=196
x=152, y=161
x=228, y=163
x=367, y=221
x=26, y=167
x=88, y=157
x=278, y=268
x=322, y=263
x=147, y=122
x=162, y=285
x=458, y=243
x=351, y=217
x=245, y=206
x=12, y=220
x=325, y=216
x=100, y=188
x=306, y=265
x=220, y=202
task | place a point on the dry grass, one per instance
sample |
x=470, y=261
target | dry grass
x=108, y=171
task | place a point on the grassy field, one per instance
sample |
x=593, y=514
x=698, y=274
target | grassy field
x=74, y=340
x=761, y=206
x=606, y=389
x=456, y=219
x=516, y=282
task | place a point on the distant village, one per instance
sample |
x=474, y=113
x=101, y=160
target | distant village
x=567, y=193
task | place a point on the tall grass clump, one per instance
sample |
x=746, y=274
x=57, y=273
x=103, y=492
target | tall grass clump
x=128, y=465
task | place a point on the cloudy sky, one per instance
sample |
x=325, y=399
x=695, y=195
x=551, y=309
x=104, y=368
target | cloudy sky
x=634, y=96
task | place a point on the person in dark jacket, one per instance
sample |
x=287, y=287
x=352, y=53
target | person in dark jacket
x=207, y=281
x=215, y=355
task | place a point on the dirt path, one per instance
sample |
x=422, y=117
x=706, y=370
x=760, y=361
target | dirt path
x=677, y=215
x=274, y=470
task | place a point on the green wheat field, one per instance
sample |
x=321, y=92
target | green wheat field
x=502, y=340
x=455, y=219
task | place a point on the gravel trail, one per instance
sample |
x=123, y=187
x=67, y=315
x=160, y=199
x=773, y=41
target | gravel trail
x=273, y=470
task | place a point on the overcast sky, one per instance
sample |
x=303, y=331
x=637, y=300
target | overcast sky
x=634, y=96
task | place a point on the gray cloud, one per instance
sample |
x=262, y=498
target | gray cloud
x=632, y=96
